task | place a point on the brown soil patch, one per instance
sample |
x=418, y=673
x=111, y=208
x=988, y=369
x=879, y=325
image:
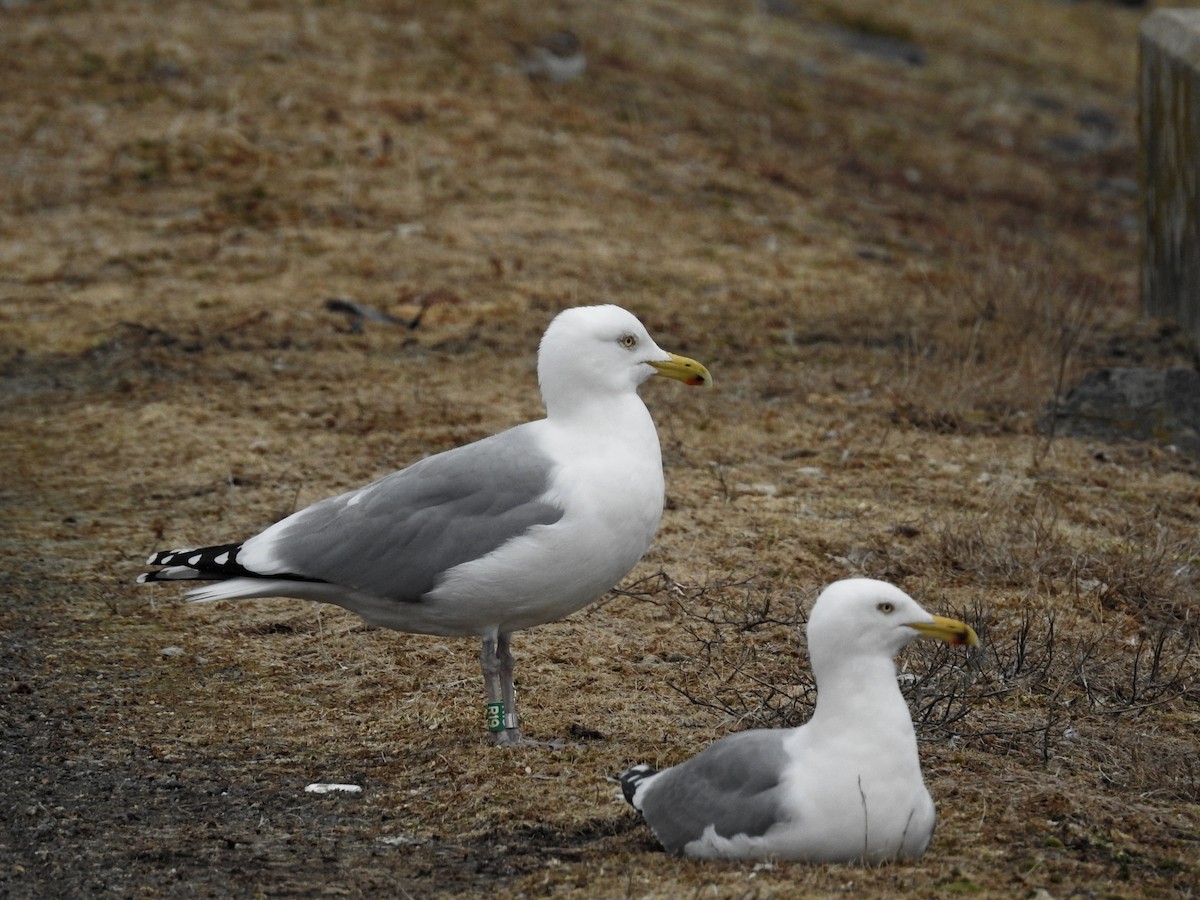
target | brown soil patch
x=890, y=269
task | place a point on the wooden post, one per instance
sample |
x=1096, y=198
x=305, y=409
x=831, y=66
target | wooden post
x=1170, y=166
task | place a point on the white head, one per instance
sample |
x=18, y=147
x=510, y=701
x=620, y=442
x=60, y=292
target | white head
x=860, y=617
x=595, y=351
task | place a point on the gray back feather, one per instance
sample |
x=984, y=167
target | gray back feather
x=395, y=537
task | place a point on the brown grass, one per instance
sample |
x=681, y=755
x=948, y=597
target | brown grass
x=891, y=271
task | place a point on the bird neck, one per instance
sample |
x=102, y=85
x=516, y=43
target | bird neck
x=859, y=692
x=611, y=413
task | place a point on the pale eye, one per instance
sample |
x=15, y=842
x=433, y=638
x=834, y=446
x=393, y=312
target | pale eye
x=886, y=607
x=628, y=341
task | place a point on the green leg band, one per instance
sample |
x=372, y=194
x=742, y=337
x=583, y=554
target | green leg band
x=495, y=716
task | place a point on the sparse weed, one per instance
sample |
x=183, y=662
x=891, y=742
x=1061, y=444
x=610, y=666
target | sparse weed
x=989, y=349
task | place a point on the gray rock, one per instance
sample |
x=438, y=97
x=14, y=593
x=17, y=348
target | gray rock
x=890, y=48
x=1159, y=405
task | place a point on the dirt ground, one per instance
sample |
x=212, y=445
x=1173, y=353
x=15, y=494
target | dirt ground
x=893, y=233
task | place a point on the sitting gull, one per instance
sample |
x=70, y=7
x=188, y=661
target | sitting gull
x=515, y=530
x=846, y=786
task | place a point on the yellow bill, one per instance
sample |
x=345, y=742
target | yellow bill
x=683, y=369
x=951, y=631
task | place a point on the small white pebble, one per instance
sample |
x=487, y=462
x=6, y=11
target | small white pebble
x=171, y=651
x=323, y=788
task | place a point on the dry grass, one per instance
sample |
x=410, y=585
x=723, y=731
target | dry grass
x=891, y=270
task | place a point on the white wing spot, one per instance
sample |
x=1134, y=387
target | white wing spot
x=222, y=559
x=195, y=559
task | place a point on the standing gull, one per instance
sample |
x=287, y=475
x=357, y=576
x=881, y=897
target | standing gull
x=515, y=530
x=846, y=786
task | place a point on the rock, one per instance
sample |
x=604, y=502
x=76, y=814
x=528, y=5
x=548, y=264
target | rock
x=888, y=47
x=1145, y=404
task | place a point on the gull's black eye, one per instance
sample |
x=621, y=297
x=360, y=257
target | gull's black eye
x=628, y=341
x=886, y=607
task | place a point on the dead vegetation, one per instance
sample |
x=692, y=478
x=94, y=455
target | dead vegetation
x=893, y=236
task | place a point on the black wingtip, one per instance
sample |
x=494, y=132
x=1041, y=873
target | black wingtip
x=631, y=778
x=216, y=563
x=204, y=563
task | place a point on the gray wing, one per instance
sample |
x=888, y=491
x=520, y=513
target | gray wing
x=395, y=537
x=733, y=785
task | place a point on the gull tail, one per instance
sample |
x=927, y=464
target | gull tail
x=632, y=779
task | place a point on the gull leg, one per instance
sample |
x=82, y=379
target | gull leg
x=509, y=690
x=497, y=662
x=512, y=728
x=490, y=662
